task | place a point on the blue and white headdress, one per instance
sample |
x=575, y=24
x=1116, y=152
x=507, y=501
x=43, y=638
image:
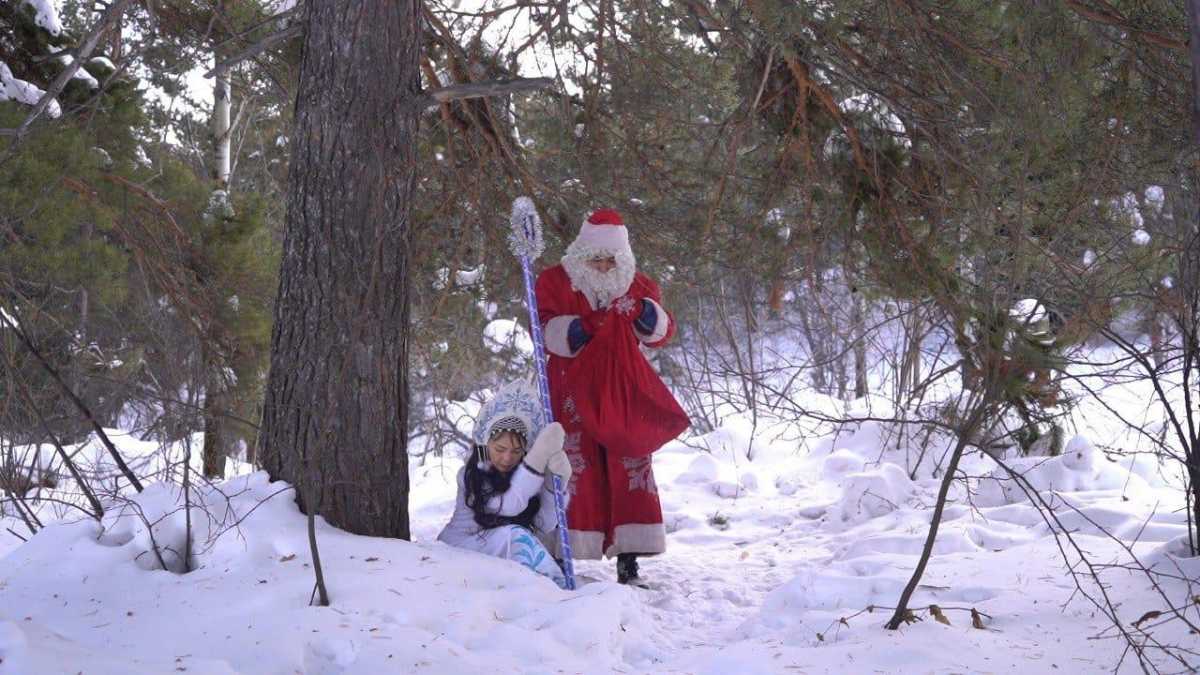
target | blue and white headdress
x=515, y=407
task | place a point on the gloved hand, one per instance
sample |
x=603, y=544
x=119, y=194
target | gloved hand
x=560, y=465
x=549, y=442
x=592, y=322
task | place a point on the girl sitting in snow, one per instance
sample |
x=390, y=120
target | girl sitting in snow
x=505, y=500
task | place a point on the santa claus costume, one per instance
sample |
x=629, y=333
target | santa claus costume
x=590, y=312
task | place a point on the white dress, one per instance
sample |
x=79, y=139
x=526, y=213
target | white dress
x=511, y=542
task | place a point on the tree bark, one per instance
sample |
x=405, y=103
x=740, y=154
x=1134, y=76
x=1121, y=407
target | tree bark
x=1190, y=283
x=1194, y=52
x=217, y=442
x=218, y=437
x=858, y=333
x=335, y=420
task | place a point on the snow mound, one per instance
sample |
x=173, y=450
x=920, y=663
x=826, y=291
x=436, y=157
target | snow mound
x=910, y=544
x=822, y=590
x=1077, y=469
x=29, y=648
x=841, y=462
x=397, y=606
x=870, y=494
x=739, y=440
x=703, y=469
x=1175, y=557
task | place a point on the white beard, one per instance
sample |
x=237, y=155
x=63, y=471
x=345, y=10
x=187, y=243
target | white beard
x=601, y=288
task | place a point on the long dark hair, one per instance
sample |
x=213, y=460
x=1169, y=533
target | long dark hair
x=484, y=483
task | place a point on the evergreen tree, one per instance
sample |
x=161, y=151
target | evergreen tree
x=335, y=422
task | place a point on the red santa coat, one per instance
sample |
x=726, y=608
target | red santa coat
x=614, y=505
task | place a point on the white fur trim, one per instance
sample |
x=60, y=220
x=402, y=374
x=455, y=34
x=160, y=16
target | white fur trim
x=556, y=332
x=638, y=538
x=586, y=545
x=661, y=325
x=610, y=237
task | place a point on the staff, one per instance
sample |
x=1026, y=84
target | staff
x=525, y=241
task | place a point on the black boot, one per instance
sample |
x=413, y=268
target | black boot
x=627, y=568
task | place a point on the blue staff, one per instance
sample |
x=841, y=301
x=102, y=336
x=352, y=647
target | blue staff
x=526, y=243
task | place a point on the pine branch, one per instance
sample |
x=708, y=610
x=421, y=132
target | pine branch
x=1111, y=16
x=458, y=92
x=114, y=12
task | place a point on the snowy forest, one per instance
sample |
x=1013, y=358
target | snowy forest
x=923, y=276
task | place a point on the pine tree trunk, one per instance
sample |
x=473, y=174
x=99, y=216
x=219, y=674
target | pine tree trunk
x=909, y=377
x=817, y=353
x=858, y=333
x=1155, y=329
x=1194, y=51
x=78, y=377
x=335, y=414
x=218, y=443
x=775, y=298
x=1190, y=276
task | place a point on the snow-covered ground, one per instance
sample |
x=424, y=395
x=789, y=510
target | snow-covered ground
x=785, y=553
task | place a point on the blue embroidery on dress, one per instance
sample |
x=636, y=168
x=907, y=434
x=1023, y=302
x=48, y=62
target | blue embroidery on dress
x=528, y=552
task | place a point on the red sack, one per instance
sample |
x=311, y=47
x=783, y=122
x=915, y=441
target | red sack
x=621, y=401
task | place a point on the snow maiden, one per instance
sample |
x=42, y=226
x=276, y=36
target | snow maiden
x=505, y=502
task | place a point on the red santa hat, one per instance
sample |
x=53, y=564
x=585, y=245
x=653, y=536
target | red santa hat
x=603, y=231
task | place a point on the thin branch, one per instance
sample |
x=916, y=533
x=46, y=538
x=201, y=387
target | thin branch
x=979, y=410
x=503, y=87
x=62, y=452
x=319, y=589
x=83, y=408
x=1110, y=16
x=255, y=49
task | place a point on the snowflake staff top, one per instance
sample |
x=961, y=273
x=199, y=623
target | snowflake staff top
x=525, y=239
